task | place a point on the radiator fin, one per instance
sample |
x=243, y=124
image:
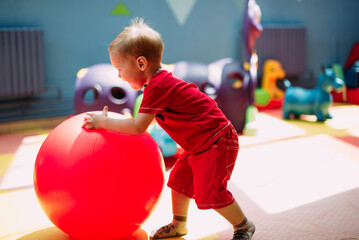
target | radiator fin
x=286, y=45
x=21, y=62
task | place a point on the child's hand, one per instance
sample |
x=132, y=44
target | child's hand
x=95, y=120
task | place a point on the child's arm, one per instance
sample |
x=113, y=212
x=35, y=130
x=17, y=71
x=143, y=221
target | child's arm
x=134, y=126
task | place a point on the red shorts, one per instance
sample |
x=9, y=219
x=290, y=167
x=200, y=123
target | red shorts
x=203, y=176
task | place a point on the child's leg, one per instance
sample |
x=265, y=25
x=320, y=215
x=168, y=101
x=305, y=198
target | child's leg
x=233, y=213
x=243, y=228
x=180, y=204
x=177, y=227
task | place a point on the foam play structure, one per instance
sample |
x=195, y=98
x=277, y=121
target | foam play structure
x=299, y=101
x=353, y=56
x=98, y=86
x=351, y=78
x=269, y=95
x=97, y=184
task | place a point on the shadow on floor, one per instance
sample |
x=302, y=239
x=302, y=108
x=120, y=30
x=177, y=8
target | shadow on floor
x=54, y=233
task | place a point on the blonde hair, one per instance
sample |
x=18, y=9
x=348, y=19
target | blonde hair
x=139, y=39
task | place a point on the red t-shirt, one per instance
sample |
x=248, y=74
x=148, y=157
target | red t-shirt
x=189, y=116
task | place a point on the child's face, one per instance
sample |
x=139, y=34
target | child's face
x=128, y=69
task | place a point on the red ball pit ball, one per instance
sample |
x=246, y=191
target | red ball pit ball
x=97, y=184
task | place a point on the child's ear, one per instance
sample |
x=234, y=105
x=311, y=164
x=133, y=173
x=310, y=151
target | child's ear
x=142, y=63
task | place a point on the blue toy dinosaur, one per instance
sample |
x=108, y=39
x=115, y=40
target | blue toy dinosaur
x=299, y=101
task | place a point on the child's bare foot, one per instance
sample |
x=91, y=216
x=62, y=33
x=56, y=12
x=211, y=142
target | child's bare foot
x=170, y=230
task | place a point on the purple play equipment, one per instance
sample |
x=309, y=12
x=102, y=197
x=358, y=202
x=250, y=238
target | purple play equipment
x=225, y=81
x=98, y=86
x=251, y=30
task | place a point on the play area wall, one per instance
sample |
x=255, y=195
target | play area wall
x=77, y=33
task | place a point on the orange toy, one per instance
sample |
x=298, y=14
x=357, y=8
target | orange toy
x=272, y=70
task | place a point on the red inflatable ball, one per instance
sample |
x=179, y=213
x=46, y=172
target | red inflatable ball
x=97, y=184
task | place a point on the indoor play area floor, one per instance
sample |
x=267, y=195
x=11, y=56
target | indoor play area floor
x=296, y=179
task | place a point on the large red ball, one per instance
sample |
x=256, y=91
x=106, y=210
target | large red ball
x=97, y=184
